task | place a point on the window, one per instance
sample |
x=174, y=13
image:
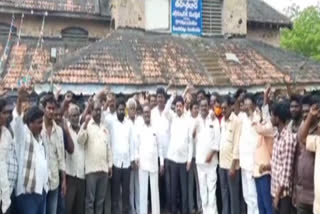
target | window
x=212, y=17
x=5, y=28
x=74, y=33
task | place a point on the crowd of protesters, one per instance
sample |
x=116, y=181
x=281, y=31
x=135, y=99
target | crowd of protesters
x=190, y=153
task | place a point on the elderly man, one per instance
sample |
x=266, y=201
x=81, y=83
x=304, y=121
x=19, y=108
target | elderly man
x=75, y=195
x=98, y=160
x=148, y=149
x=136, y=122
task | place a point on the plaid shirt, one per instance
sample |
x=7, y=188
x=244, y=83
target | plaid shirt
x=282, y=162
x=12, y=166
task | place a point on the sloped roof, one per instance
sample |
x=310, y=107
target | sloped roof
x=129, y=57
x=91, y=7
x=261, y=12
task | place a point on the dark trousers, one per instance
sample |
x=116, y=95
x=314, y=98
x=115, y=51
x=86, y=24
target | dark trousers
x=263, y=185
x=96, y=185
x=12, y=208
x=304, y=208
x=230, y=188
x=52, y=201
x=178, y=173
x=61, y=201
x=165, y=187
x=120, y=185
x=31, y=203
x=285, y=207
x=75, y=197
x=194, y=198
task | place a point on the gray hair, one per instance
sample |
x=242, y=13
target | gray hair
x=132, y=102
x=73, y=107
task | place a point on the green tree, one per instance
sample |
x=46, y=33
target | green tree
x=304, y=37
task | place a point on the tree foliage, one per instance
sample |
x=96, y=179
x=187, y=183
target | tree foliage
x=304, y=37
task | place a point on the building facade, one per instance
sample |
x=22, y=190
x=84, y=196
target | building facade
x=140, y=44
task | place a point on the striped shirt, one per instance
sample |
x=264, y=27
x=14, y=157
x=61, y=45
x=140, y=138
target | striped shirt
x=282, y=162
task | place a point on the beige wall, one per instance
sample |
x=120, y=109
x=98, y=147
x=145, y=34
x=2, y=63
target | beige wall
x=128, y=13
x=267, y=35
x=53, y=26
x=234, y=17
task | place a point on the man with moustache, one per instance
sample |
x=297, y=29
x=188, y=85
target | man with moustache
x=98, y=160
x=123, y=158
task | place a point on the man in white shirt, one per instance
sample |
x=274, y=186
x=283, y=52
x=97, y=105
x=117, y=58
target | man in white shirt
x=5, y=143
x=136, y=122
x=52, y=136
x=123, y=157
x=247, y=146
x=194, y=198
x=161, y=124
x=76, y=184
x=179, y=154
x=109, y=113
x=98, y=160
x=207, y=134
x=148, y=149
x=33, y=172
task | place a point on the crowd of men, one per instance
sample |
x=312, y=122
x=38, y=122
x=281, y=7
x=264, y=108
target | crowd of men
x=194, y=152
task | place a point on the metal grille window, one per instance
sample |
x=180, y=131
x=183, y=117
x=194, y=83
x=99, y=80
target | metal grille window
x=212, y=17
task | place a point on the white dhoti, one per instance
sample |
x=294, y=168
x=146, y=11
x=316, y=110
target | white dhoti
x=208, y=184
x=144, y=177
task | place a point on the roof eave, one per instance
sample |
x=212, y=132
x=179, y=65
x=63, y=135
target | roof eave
x=270, y=23
x=76, y=15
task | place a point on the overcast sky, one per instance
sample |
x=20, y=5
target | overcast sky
x=282, y=4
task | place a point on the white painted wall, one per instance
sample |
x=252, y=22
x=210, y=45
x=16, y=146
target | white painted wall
x=157, y=13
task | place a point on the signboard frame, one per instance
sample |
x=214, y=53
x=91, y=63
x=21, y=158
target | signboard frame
x=186, y=17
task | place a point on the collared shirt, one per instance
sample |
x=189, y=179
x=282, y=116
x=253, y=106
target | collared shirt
x=207, y=139
x=54, y=144
x=135, y=126
x=248, y=141
x=229, y=143
x=193, y=123
x=148, y=148
x=5, y=142
x=180, y=146
x=303, y=192
x=122, y=143
x=282, y=162
x=33, y=172
x=75, y=161
x=107, y=117
x=264, y=147
x=12, y=163
x=98, y=156
x=162, y=126
x=313, y=145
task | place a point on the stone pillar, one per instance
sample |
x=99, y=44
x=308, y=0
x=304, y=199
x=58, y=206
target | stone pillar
x=128, y=13
x=234, y=17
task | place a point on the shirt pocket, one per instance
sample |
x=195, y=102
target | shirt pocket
x=229, y=137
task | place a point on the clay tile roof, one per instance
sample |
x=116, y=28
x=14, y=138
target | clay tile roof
x=261, y=12
x=92, y=7
x=129, y=57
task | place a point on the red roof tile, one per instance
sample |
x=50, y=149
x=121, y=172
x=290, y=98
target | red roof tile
x=136, y=58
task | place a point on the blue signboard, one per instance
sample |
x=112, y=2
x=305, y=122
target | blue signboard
x=186, y=17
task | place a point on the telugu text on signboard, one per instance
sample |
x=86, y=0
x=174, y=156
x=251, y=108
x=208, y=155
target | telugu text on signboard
x=186, y=17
